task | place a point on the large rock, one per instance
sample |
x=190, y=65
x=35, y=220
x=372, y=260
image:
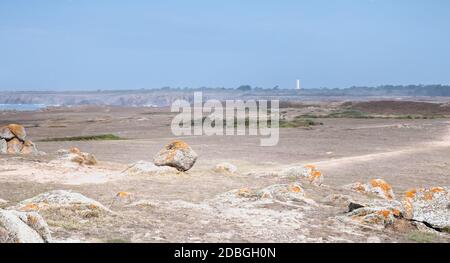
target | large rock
x=377, y=187
x=309, y=172
x=23, y=227
x=5, y=133
x=3, y=146
x=18, y=131
x=428, y=205
x=12, y=141
x=176, y=154
x=14, y=146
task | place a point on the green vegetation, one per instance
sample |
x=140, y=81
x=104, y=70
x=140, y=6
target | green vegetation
x=297, y=122
x=350, y=114
x=446, y=229
x=422, y=237
x=101, y=137
x=356, y=114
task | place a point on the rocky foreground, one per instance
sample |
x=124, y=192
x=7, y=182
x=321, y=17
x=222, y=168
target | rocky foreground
x=286, y=204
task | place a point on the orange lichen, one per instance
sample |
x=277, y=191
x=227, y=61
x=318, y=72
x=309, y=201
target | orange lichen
x=316, y=174
x=122, y=194
x=396, y=212
x=384, y=213
x=437, y=189
x=411, y=193
x=175, y=146
x=179, y=145
x=295, y=189
x=92, y=206
x=385, y=187
x=31, y=207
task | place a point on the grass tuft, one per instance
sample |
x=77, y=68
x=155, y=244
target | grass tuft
x=422, y=237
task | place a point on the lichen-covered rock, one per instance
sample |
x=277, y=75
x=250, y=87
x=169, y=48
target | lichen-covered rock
x=309, y=172
x=143, y=168
x=18, y=131
x=3, y=146
x=176, y=154
x=62, y=199
x=226, y=168
x=29, y=148
x=74, y=155
x=14, y=146
x=428, y=205
x=377, y=187
x=5, y=133
x=379, y=215
x=22, y=227
x=283, y=193
x=12, y=141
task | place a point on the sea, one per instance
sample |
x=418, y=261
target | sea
x=21, y=107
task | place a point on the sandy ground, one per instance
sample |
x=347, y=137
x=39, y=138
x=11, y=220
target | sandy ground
x=194, y=207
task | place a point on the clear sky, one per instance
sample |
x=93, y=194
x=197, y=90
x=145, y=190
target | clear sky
x=77, y=44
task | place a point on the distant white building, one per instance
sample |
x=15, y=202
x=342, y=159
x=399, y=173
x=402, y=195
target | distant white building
x=298, y=85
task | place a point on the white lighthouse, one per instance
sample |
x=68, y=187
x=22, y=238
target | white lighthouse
x=298, y=85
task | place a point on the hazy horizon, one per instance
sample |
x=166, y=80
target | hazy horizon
x=109, y=45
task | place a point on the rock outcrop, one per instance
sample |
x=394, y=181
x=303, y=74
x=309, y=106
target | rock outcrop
x=279, y=192
x=308, y=172
x=74, y=155
x=428, y=205
x=177, y=154
x=377, y=187
x=13, y=141
x=23, y=227
x=378, y=215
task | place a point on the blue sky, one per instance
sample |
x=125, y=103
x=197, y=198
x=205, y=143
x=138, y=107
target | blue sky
x=78, y=44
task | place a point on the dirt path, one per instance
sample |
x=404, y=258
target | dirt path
x=416, y=149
